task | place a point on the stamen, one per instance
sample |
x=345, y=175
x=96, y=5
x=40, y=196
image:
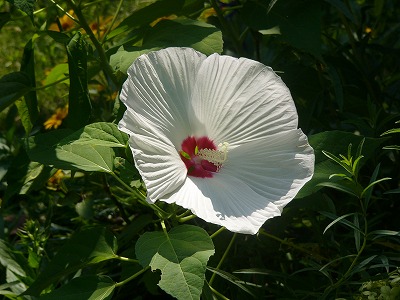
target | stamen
x=216, y=157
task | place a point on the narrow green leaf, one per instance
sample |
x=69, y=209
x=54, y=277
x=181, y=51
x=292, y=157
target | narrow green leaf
x=369, y=187
x=336, y=142
x=87, y=247
x=382, y=233
x=357, y=235
x=84, y=288
x=270, y=31
x=181, y=255
x=361, y=265
x=27, y=6
x=80, y=107
x=341, y=6
x=12, y=87
x=231, y=278
x=339, y=187
x=341, y=220
x=28, y=106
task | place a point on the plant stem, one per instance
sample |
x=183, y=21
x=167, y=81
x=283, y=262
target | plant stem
x=228, y=29
x=118, y=284
x=218, y=293
x=185, y=219
x=223, y=258
x=217, y=232
x=112, y=21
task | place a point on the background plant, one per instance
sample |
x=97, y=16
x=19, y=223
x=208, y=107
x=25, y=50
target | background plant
x=73, y=214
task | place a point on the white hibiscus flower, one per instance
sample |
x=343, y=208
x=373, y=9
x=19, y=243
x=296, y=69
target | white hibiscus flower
x=217, y=135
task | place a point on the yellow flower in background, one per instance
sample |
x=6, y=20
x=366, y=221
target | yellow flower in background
x=99, y=27
x=54, y=181
x=57, y=118
x=66, y=22
x=170, y=17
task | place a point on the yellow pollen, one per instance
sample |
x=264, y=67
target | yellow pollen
x=216, y=157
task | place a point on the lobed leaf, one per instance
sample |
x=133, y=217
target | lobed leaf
x=181, y=255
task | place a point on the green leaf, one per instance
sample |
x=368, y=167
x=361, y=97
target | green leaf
x=337, y=142
x=383, y=233
x=12, y=87
x=146, y=15
x=341, y=220
x=87, y=247
x=180, y=32
x=4, y=18
x=84, y=288
x=27, y=6
x=181, y=255
x=232, y=279
x=97, y=134
x=340, y=187
x=80, y=107
x=24, y=175
x=28, y=106
x=300, y=24
x=59, y=72
x=65, y=150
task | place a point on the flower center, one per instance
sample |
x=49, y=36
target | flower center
x=201, y=157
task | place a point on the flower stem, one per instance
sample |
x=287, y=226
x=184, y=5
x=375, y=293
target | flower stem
x=228, y=29
x=223, y=258
x=118, y=284
x=112, y=21
x=185, y=219
x=217, y=232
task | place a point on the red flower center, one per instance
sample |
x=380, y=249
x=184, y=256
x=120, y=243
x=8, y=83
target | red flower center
x=194, y=158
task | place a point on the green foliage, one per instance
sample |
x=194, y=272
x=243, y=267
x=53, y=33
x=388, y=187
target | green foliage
x=181, y=255
x=74, y=221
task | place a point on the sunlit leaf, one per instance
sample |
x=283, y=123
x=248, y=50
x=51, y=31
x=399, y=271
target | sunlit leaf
x=180, y=32
x=181, y=255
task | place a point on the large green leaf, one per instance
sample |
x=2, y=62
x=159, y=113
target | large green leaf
x=97, y=134
x=146, y=15
x=87, y=149
x=80, y=106
x=180, y=32
x=84, y=288
x=27, y=6
x=12, y=87
x=337, y=143
x=181, y=255
x=87, y=247
x=28, y=106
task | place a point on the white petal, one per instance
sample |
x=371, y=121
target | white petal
x=238, y=100
x=275, y=167
x=226, y=201
x=158, y=89
x=157, y=161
